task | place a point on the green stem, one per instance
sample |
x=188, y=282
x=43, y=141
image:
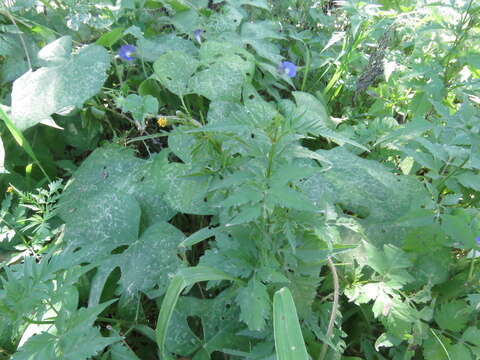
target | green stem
x=185, y=106
x=38, y=322
x=442, y=182
x=307, y=67
x=336, y=295
x=472, y=267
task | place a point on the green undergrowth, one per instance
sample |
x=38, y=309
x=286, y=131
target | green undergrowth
x=239, y=179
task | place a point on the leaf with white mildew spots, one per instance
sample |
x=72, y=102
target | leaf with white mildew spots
x=67, y=81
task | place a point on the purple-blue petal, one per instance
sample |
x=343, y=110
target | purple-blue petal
x=126, y=52
x=478, y=240
x=288, y=68
x=198, y=35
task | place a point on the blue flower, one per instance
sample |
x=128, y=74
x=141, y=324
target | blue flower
x=127, y=52
x=478, y=240
x=288, y=68
x=198, y=35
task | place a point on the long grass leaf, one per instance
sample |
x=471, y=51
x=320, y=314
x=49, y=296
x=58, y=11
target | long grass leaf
x=289, y=344
x=22, y=141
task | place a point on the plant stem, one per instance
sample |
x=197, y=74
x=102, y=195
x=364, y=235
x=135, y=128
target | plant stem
x=333, y=315
x=22, y=40
x=307, y=67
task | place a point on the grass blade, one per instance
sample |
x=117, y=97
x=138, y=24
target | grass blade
x=289, y=344
x=22, y=141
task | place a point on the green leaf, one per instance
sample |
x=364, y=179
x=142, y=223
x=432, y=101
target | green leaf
x=178, y=5
x=392, y=262
x=149, y=261
x=458, y=228
x=183, y=279
x=218, y=320
x=311, y=115
x=198, y=236
x=220, y=81
x=71, y=338
x=120, y=351
x=114, y=169
x=233, y=252
x=470, y=180
x=286, y=197
x=174, y=70
x=152, y=49
x=289, y=344
x=140, y=107
x=453, y=315
x=184, y=193
x=254, y=304
x=110, y=38
x=48, y=90
x=409, y=131
x=338, y=138
x=21, y=140
x=370, y=191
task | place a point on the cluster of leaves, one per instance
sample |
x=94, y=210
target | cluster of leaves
x=219, y=155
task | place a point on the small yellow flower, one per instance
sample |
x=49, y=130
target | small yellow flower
x=9, y=189
x=162, y=121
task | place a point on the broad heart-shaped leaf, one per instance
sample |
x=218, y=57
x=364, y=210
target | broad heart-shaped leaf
x=184, y=192
x=151, y=49
x=101, y=224
x=368, y=190
x=150, y=260
x=254, y=304
x=37, y=95
x=114, y=169
x=218, y=319
x=220, y=81
x=174, y=70
x=56, y=52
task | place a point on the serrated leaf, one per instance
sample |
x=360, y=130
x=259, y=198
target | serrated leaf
x=218, y=320
x=71, y=339
x=411, y=130
x=183, y=278
x=311, y=114
x=254, y=304
x=246, y=214
x=120, y=351
x=289, y=198
x=392, y=262
x=470, y=180
x=39, y=94
x=453, y=315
